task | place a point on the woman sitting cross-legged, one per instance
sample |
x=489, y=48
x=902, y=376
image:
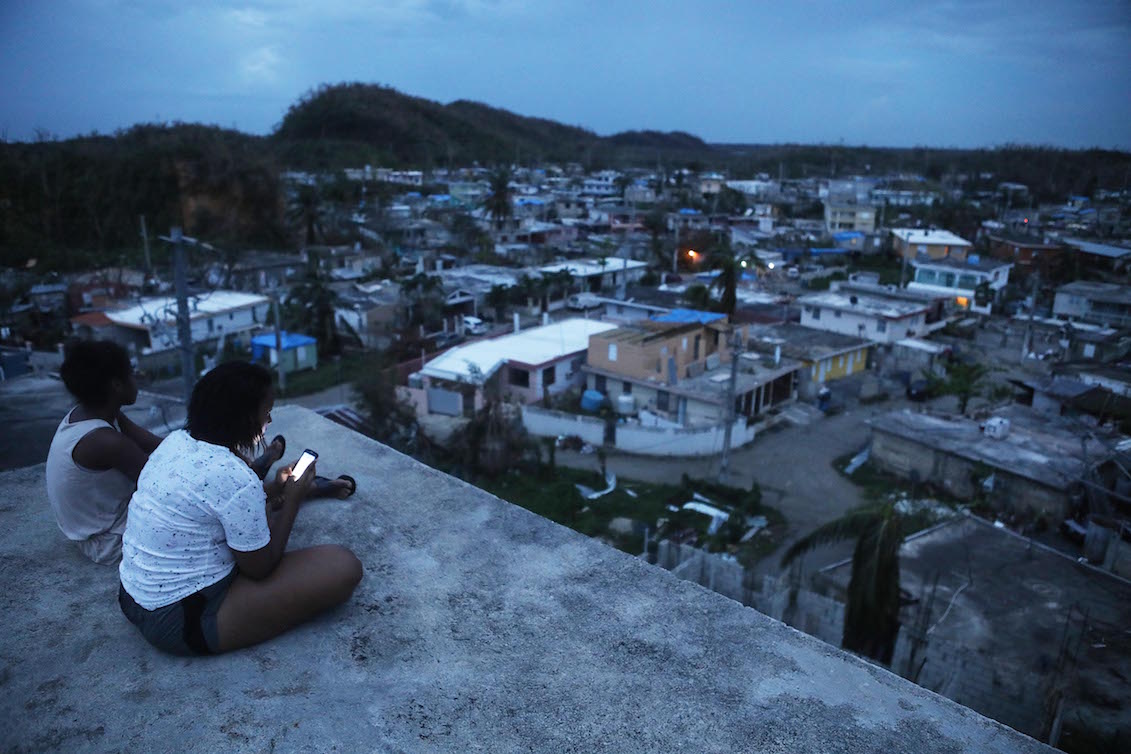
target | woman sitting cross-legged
x=204, y=568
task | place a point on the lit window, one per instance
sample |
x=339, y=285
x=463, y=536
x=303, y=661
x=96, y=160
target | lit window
x=612, y=352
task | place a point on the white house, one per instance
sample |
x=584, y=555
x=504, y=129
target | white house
x=1089, y=301
x=870, y=317
x=960, y=279
x=150, y=326
x=527, y=365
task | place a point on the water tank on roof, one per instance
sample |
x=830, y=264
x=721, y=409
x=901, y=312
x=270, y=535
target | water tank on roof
x=973, y=259
x=592, y=400
x=997, y=427
x=626, y=404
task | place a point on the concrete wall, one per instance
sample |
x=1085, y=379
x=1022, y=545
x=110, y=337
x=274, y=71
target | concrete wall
x=545, y=422
x=957, y=476
x=633, y=438
x=994, y=686
x=655, y=441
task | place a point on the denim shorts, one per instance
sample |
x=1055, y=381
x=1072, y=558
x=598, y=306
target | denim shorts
x=187, y=627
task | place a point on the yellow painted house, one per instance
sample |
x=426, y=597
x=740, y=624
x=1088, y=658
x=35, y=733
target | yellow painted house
x=826, y=356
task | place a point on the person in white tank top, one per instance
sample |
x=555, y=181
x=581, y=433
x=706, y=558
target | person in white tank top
x=97, y=453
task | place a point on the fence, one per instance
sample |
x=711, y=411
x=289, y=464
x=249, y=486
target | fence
x=634, y=438
x=548, y=423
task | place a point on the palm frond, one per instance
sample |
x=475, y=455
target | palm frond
x=852, y=525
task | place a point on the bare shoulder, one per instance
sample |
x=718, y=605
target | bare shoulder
x=99, y=448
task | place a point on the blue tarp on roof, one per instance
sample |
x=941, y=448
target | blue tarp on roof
x=688, y=316
x=289, y=339
x=689, y=211
x=819, y=252
x=847, y=235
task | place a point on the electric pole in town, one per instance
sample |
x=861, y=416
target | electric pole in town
x=1027, y=344
x=279, y=343
x=736, y=346
x=184, y=326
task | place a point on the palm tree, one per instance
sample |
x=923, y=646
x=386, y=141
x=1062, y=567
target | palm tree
x=497, y=298
x=871, y=610
x=305, y=210
x=965, y=380
x=310, y=309
x=498, y=202
x=421, y=293
x=726, y=281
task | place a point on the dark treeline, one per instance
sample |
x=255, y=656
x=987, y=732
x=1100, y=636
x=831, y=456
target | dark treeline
x=74, y=203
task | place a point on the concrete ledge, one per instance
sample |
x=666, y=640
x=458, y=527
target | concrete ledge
x=478, y=627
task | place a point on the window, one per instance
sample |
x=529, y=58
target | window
x=663, y=398
x=685, y=343
x=1089, y=350
x=301, y=355
x=836, y=314
x=548, y=376
x=626, y=388
x=519, y=377
x=211, y=325
x=599, y=383
x=816, y=312
x=612, y=352
x=881, y=326
x=231, y=316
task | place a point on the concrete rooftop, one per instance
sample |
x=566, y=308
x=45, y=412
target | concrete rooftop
x=478, y=627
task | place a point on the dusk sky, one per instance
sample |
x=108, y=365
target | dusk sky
x=885, y=73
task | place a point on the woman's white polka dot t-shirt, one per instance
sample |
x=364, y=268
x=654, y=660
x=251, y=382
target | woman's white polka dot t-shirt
x=195, y=503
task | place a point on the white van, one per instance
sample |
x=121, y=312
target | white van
x=583, y=301
x=474, y=325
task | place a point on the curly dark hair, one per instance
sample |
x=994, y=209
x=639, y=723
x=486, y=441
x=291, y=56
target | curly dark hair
x=89, y=366
x=224, y=408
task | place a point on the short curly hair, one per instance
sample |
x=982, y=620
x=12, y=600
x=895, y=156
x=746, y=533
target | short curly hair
x=89, y=366
x=224, y=407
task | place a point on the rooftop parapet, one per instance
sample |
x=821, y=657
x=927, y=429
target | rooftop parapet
x=478, y=627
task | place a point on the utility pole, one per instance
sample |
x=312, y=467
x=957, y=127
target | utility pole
x=184, y=327
x=145, y=245
x=736, y=345
x=279, y=344
x=1028, y=342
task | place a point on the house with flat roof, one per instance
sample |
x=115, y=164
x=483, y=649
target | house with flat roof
x=1105, y=256
x=1090, y=301
x=849, y=216
x=149, y=327
x=1030, y=460
x=824, y=356
x=678, y=370
x=604, y=273
x=525, y=365
x=1028, y=252
x=936, y=244
x=875, y=318
x=961, y=278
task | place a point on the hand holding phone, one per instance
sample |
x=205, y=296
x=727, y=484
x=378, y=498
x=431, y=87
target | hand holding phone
x=308, y=457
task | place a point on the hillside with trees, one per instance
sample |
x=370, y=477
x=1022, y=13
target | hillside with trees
x=71, y=204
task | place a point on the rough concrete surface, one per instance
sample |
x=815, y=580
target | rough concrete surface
x=478, y=627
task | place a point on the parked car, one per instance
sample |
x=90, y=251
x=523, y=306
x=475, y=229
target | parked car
x=583, y=301
x=474, y=326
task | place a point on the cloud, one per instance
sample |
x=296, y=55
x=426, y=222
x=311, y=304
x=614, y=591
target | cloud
x=260, y=66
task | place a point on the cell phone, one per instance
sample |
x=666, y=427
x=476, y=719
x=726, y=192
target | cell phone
x=308, y=457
